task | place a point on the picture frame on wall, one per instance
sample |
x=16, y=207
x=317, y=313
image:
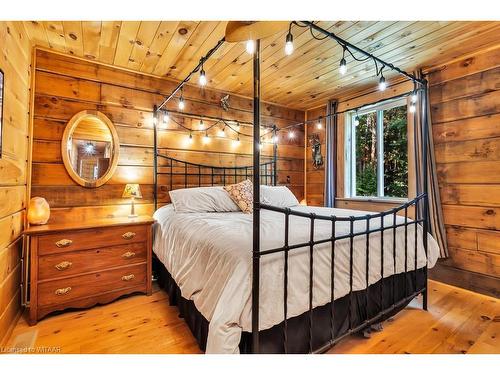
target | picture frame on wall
x=2, y=83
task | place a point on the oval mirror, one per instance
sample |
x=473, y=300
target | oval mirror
x=90, y=148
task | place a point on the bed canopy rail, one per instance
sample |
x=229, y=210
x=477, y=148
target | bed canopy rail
x=375, y=304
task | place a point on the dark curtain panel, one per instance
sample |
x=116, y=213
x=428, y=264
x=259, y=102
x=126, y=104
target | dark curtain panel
x=436, y=222
x=331, y=153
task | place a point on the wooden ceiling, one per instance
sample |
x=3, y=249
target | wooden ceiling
x=303, y=80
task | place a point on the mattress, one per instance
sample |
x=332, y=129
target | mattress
x=209, y=257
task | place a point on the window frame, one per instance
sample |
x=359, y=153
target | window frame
x=350, y=151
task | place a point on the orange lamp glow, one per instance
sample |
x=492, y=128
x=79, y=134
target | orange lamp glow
x=132, y=191
x=38, y=211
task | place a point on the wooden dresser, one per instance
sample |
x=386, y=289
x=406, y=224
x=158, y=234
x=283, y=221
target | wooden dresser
x=88, y=263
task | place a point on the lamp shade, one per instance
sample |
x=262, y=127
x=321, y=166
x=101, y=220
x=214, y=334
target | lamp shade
x=132, y=190
x=38, y=211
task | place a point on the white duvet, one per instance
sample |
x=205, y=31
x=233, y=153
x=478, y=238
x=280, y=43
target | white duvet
x=209, y=257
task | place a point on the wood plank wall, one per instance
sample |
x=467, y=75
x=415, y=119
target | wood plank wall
x=315, y=178
x=15, y=61
x=65, y=85
x=465, y=105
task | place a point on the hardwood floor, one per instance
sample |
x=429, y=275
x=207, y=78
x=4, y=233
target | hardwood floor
x=458, y=321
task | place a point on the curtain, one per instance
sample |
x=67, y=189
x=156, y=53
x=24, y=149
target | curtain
x=436, y=222
x=331, y=154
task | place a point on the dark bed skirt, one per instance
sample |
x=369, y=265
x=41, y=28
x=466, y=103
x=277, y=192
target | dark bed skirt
x=391, y=288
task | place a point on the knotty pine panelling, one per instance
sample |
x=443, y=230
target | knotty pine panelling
x=465, y=105
x=65, y=85
x=315, y=178
x=15, y=60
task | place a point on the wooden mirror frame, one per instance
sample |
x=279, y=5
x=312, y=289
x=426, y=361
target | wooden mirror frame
x=115, y=149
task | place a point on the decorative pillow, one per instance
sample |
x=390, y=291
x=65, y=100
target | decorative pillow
x=279, y=196
x=242, y=195
x=202, y=199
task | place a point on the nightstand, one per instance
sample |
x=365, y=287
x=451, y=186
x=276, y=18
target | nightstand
x=77, y=265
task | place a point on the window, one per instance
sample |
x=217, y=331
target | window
x=377, y=151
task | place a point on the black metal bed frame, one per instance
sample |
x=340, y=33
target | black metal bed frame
x=419, y=204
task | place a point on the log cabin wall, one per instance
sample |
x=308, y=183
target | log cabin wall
x=315, y=177
x=65, y=85
x=465, y=105
x=15, y=62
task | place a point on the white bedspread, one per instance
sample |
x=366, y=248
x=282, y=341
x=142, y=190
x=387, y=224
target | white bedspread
x=209, y=257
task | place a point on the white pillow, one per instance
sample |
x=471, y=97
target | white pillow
x=202, y=199
x=279, y=196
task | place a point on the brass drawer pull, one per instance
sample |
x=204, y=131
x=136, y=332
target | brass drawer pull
x=128, y=277
x=128, y=255
x=128, y=235
x=63, y=265
x=63, y=291
x=63, y=243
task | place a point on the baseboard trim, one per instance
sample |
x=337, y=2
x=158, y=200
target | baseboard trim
x=474, y=281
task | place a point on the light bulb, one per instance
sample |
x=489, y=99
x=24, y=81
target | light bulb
x=181, y=103
x=166, y=118
x=206, y=139
x=343, y=66
x=190, y=139
x=221, y=132
x=382, y=85
x=250, y=46
x=203, y=78
x=261, y=146
x=356, y=120
x=291, y=134
x=236, y=142
x=289, y=44
x=275, y=139
x=319, y=125
x=201, y=125
x=413, y=108
x=414, y=97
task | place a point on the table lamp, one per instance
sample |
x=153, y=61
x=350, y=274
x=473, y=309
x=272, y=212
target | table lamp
x=132, y=191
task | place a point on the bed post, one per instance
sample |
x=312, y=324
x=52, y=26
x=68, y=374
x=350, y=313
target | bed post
x=275, y=155
x=425, y=136
x=155, y=160
x=256, y=198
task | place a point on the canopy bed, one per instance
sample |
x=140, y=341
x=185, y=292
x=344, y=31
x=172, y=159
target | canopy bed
x=288, y=278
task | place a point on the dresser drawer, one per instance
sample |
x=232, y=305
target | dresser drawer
x=90, y=239
x=72, y=288
x=76, y=262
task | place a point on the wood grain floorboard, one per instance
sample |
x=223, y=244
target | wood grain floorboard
x=458, y=321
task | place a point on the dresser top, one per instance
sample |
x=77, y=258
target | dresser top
x=88, y=224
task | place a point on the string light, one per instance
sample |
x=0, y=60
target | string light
x=356, y=119
x=343, y=64
x=414, y=96
x=382, y=85
x=275, y=139
x=190, y=139
x=201, y=125
x=319, y=125
x=181, y=102
x=236, y=142
x=203, y=77
x=206, y=138
x=291, y=134
x=222, y=132
x=261, y=146
x=413, y=108
x=250, y=46
x=289, y=42
x=165, y=118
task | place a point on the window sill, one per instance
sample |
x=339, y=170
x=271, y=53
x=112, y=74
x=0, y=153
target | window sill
x=375, y=200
